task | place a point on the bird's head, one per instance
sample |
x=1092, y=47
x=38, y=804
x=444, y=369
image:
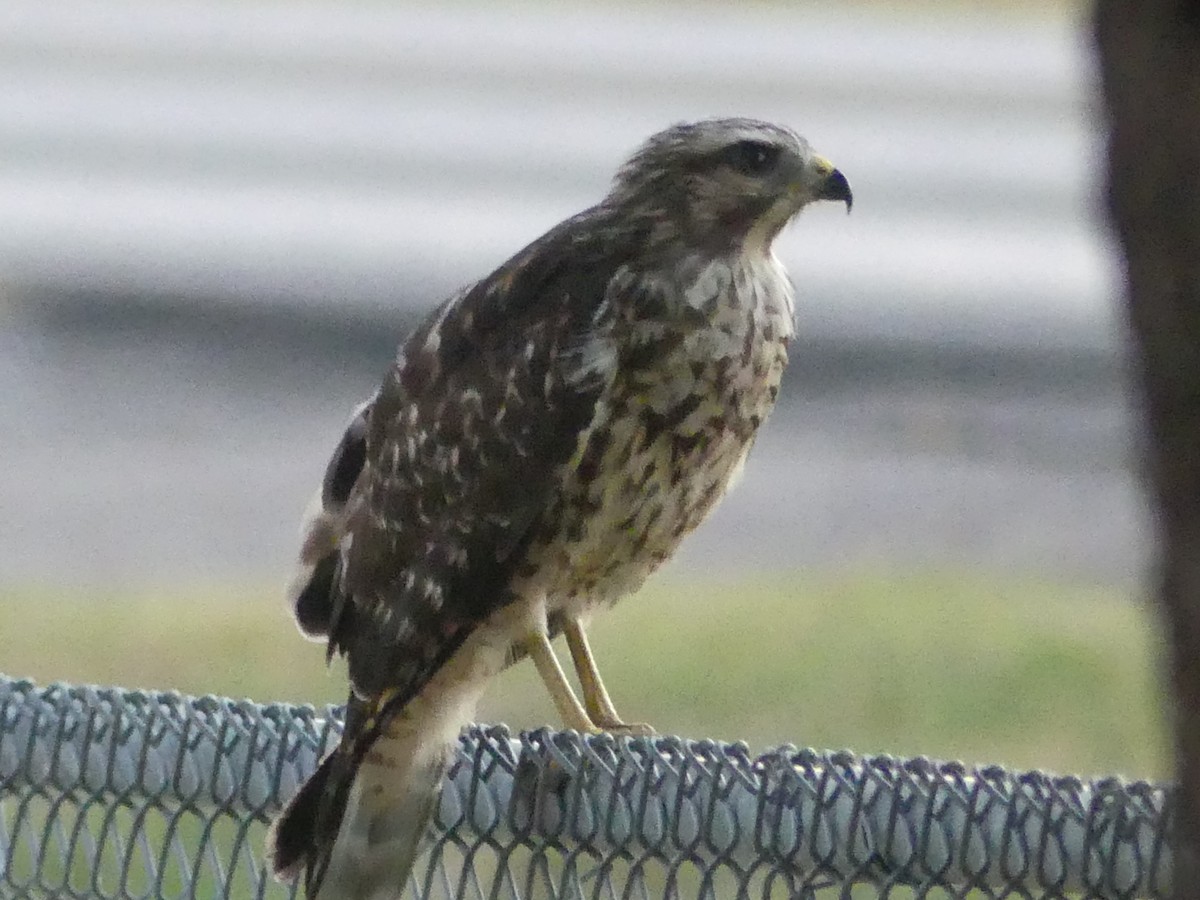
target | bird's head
x=722, y=182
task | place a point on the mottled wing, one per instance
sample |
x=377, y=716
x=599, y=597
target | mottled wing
x=314, y=590
x=466, y=444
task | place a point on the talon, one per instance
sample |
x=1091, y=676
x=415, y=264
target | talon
x=627, y=729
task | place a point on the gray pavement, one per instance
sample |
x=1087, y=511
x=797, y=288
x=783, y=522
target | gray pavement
x=188, y=452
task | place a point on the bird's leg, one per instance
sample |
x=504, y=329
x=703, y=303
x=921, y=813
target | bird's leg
x=569, y=708
x=595, y=696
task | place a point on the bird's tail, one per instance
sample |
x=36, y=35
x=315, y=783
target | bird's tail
x=354, y=828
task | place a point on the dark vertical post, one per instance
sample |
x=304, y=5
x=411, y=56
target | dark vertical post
x=1149, y=54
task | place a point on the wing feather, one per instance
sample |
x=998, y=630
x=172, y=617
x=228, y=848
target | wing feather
x=465, y=446
x=313, y=592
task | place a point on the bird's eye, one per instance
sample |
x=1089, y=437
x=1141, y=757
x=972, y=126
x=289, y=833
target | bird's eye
x=751, y=157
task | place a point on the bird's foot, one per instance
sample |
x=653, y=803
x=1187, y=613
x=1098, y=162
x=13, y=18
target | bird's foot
x=624, y=729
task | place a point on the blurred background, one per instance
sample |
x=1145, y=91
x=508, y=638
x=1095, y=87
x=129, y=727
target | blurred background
x=218, y=219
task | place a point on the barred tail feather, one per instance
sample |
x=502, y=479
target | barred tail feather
x=378, y=842
x=290, y=840
x=355, y=827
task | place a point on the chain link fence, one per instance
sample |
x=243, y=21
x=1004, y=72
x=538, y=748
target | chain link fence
x=112, y=793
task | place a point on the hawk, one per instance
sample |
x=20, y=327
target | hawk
x=541, y=444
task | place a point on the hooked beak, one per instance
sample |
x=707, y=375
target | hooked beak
x=824, y=181
x=836, y=187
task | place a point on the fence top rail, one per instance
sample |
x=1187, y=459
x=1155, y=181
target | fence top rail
x=808, y=818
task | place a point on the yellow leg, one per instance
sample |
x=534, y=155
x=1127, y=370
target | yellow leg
x=569, y=708
x=599, y=705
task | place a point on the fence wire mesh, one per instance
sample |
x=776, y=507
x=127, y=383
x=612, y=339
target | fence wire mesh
x=112, y=793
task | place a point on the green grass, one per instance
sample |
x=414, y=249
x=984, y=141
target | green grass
x=1026, y=674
